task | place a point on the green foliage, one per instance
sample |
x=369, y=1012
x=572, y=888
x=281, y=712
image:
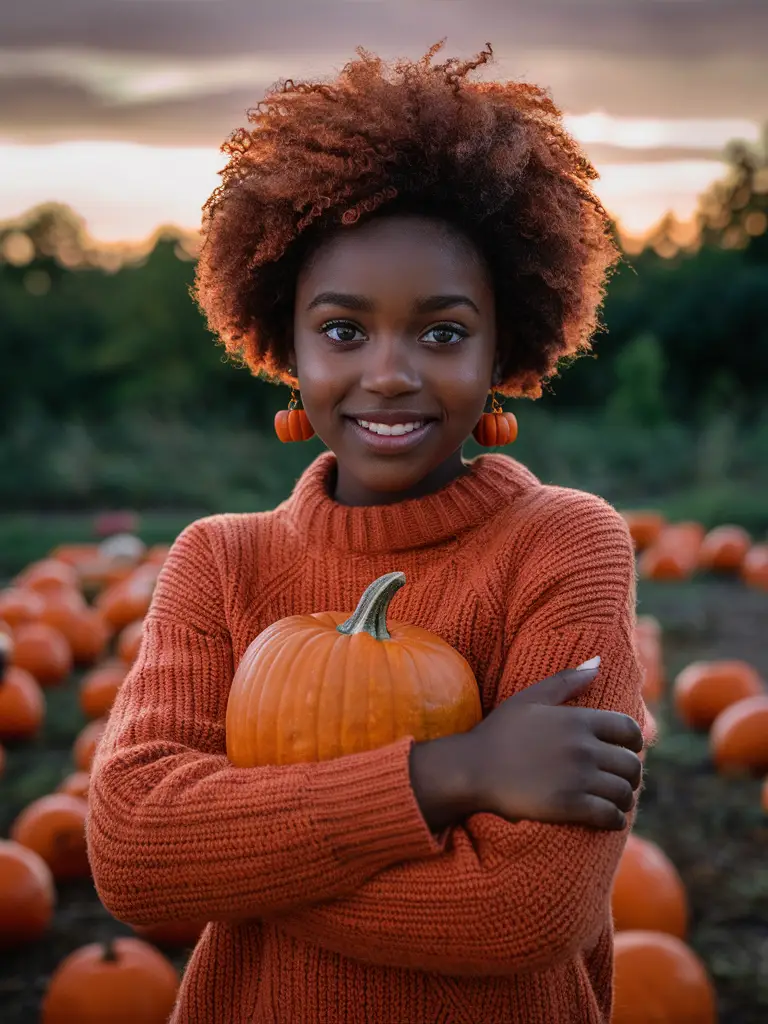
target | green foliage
x=113, y=392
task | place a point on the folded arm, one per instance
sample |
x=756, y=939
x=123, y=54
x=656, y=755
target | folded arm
x=175, y=831
x=508, y=897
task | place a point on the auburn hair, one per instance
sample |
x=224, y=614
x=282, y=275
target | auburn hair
x=491, y=158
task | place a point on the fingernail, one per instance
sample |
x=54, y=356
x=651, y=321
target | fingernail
x=588, y=665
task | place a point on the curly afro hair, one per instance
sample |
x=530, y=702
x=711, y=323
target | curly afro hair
x=493, y=159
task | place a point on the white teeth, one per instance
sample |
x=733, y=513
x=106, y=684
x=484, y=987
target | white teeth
x=395, y=430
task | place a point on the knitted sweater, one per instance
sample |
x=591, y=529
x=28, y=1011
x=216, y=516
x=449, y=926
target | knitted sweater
x=328, y=897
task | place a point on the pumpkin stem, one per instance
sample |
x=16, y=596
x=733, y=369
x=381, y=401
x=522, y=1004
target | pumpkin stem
x=370, y=616
x=110, y=953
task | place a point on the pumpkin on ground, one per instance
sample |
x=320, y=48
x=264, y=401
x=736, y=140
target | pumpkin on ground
x=43, y=651
x=48, y=576
x=18, y=606
x=74, y=554
x=22, y=704
x=674, y=555
x=648, y=892
x=84, y=628
x=754, y=568
x=705, y=688
x=738, y=739
x=27, y=895
x=129, y=641
x=124, y=981
x=411, y=682
x=658, y=979
x=85, y=744
x=645, y=526
x=54, y=827
x=724, y=548
x=75, y=784
x=99, y=687
x=129, y=600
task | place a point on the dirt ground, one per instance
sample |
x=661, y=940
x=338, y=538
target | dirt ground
x=711, y=828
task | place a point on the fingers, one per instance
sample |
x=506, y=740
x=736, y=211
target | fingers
x=615, y=789
x=620, y=761
x=559, y=688
x=592, y=811
x=615, y=727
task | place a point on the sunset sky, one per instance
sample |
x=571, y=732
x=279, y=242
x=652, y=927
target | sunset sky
x=118, y=107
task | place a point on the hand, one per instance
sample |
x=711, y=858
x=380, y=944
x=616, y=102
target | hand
x=534, y=759
x=531, y=758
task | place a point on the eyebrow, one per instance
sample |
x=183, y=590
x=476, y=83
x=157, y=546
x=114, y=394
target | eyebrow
x=430, y=304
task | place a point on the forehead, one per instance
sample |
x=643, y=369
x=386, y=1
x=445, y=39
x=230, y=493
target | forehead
x=415, y=253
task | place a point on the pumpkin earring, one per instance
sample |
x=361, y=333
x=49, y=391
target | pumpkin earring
x=495, y=427
x=292, y=424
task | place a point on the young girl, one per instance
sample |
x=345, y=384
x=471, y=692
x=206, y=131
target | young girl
x=401, y=245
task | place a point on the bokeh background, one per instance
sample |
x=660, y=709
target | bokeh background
x=114, y=396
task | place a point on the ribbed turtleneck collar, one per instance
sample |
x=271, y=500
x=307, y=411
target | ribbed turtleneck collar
x=492, y=481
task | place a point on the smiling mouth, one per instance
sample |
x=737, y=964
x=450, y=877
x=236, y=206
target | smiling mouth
x=391, y=429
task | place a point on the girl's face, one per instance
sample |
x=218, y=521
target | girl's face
x=394, y=349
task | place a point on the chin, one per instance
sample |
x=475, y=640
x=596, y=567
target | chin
x=390, y=475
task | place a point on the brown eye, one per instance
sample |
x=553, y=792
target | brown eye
x=445, y=334
x=341, y=331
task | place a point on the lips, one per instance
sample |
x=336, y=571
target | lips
x=400, y=434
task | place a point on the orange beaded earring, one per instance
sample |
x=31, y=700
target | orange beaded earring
x=292, y=424
x=495, y=427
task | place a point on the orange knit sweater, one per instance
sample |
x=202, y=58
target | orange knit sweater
x=328, y=897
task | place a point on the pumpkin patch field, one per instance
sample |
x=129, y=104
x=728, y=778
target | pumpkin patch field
x=690, y=898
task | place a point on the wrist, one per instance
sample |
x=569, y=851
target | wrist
x=442, y=780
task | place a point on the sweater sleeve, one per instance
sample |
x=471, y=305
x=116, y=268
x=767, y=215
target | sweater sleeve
x=175, y=831
x=506, y=897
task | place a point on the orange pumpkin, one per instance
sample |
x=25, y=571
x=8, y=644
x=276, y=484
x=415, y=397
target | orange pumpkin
x=27, y=895
x=129, y=641
x=54, y=827
x=674, y=555
x=738, y=739
x=648, y=892
x=75, y=784
x=18, y=606
x=645, y=527
x=125, y=981
x=74, y=554
x=754, y=568
x=43, y=651
x=98, y=688
x=176, y=934
x=85, y=744
x=705, y=688
x=658, y=979
x=129, y=600
x=648, y=644
x=375, y=685
x=22, y=705
x=84, y=628
x=48, y=575
x=293, y=425
x=724, y=548
x=495, y=429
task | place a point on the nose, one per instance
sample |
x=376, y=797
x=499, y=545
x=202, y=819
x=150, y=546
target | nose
x=390, y=369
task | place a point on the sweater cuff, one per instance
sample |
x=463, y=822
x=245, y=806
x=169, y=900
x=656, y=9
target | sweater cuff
x=365, y=808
